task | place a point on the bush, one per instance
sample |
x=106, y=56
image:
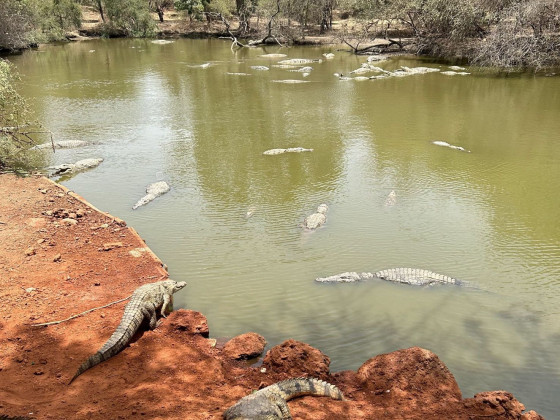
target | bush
x=15, y=142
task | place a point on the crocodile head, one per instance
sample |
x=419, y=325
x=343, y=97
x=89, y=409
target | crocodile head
x=173, y=286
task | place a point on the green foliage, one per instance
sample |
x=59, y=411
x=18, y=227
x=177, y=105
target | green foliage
x=16, y=24
x=194, y=8
x=14, y=141
x=58, y=16
x=132, y=17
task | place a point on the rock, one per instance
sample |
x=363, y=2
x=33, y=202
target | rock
x=30, y=289
x=30, y=251
x=112, y=245
x=57, y=258
x=413, y=373
x=531, y=415
x=162, y=41
x=70, y=222
x=187, y=321
x=273, y=55
x=260, y=68
x=295, y=359
x=328, y=56
x=137, y=252
x=502, y=402
x=245, y=346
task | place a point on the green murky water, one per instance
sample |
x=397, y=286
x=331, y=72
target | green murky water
x=489, y=216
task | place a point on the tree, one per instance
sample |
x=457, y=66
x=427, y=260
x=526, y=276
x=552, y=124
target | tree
x=132, y=17
x=159, y=7
x=15, y=130
x=58, y=16
x=16, y=24
x=195, y=8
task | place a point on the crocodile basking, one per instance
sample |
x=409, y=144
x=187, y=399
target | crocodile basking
x=81, y=165
x=144, y=305
x=152, y=191
x=270, y=403
x=412, y=276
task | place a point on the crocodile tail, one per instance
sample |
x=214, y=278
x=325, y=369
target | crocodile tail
x=130, y=323
x=292, y=388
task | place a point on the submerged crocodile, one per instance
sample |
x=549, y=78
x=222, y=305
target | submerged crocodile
x=288, y=150
x=81, y=165
x=445, y=144
x=412, y=276
x=144, y=304
x=270, y=403
x=316, y=219
x=63, y=144
x=152, y=192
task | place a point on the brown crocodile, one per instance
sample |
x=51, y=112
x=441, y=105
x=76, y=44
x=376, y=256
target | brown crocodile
x=144, y=305
x=270, y=403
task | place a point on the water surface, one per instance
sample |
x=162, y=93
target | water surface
x=489, y=217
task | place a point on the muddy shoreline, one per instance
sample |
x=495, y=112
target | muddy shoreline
x=60, y=256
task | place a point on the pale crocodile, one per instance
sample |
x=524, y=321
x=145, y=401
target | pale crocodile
x=445, y=144
x=144, y=305
x=412, y=276
x=318, y=219
x=68, y=168
x=270, y=403
x=288, y=150
x=152, y=192
x=63, y=144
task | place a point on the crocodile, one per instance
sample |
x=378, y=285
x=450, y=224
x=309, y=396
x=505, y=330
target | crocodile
x=270, y=403
x=316, y=220
x=81, y=165
x=288, y=150
x=445, y=144
x=63, y=144
x=412, y=276
x=152, y=192
x=144, y=305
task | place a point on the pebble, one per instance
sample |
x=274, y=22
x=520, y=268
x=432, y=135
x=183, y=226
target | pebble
x=30, y=251
x=57, y=258
x=69, y=221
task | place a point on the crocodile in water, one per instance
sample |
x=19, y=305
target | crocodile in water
x=270, y=403
x=152, y=192
x=144, y=305
x=412, y=276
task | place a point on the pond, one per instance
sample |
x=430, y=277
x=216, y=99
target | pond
x=175, y=112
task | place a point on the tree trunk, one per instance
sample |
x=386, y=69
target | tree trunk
x=100, y=8
x=160, y=14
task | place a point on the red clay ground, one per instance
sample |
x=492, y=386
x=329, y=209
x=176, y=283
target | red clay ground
x=51, y=269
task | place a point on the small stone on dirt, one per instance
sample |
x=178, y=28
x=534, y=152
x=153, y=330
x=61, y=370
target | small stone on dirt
x=111, y=245
x=57, y=258
x=69, y=221
x=30, y=251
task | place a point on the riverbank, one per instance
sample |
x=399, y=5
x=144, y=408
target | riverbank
x=61, y=256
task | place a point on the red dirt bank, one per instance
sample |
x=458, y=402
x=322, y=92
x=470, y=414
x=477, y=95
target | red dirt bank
x=51, y=269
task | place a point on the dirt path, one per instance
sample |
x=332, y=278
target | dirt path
x=59, y=256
